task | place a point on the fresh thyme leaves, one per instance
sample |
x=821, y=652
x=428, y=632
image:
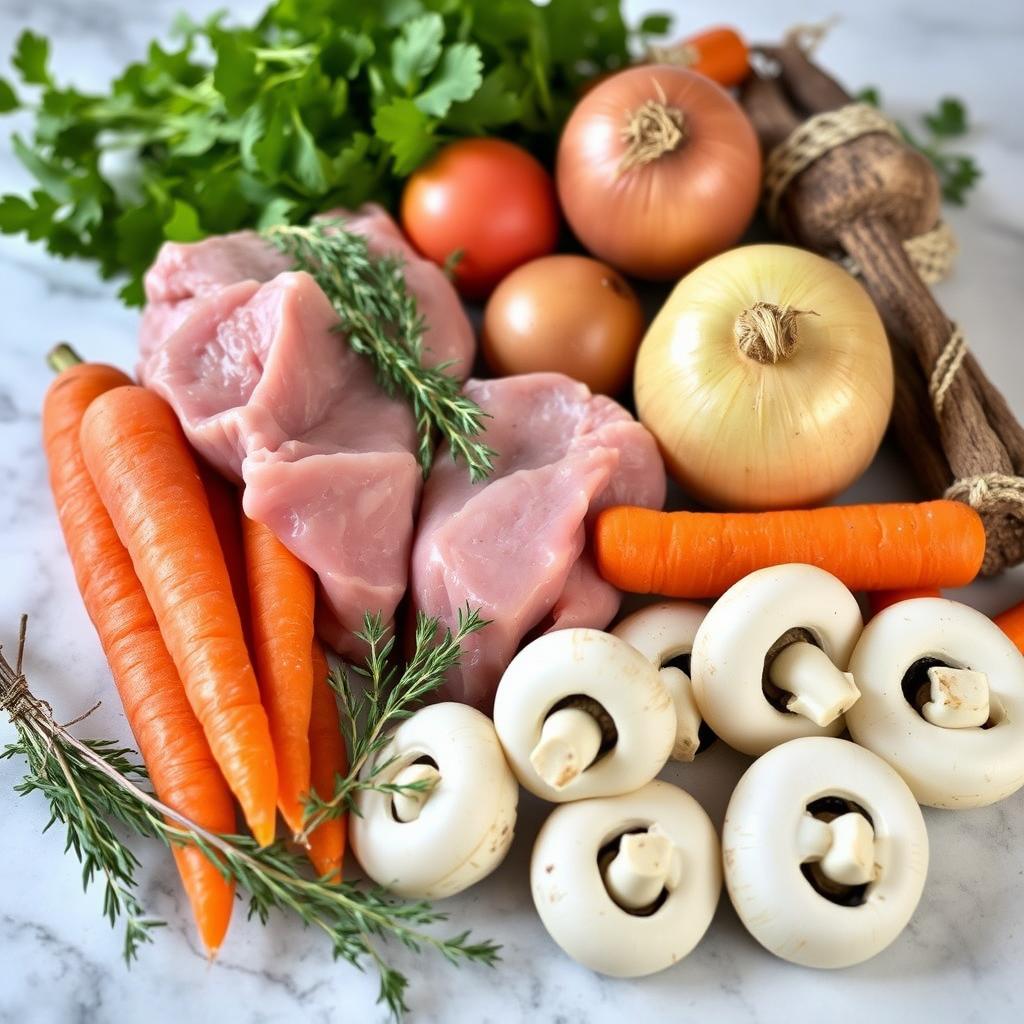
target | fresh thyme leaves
x=93, y=785
x=958, y=173
x=386, y=698
x=381, y=321
x=305, y=107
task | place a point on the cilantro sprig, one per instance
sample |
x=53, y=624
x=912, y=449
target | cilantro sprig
x=319, y=103
x=958, y=173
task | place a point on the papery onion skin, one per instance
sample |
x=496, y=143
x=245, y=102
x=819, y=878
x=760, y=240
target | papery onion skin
x=660, y=219
x=564, y=314
x=736, y=433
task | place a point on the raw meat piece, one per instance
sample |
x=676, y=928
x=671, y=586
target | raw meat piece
x=513, y=545
x=184, y=273
x=267, y=390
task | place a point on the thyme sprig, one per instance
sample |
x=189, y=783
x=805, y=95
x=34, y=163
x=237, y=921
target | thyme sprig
x=386, y=698
x=381, y=321
x=93, y=786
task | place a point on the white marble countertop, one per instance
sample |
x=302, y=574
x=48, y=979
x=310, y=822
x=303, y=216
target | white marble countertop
x=961, y=957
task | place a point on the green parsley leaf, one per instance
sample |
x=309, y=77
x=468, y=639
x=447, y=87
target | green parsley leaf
x=457, y=78
x=416, y=51
x=31, y=55
x=656, y=24
x=8, y=97
x=949, y=120
x=183, y=223
x=408, y=132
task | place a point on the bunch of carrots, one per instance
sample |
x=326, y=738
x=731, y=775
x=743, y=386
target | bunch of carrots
x=206, y=620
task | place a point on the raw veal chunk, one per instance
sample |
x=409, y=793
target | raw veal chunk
x=514, y=545
x=185, y=273
x=267, y=390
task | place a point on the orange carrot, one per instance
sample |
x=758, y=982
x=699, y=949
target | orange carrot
x=226, y=509
x=869, y=547
x=168, y=734
x=147, y=479
x=719, y=53
x=327, y=761
x=281, y=595
x=1011, y=622
x=879, y=600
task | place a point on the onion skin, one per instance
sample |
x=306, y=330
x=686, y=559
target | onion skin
x=659, y=219
x=564, y=314
x=739, y=434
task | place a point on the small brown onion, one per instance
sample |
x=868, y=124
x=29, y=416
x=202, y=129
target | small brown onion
x=564, y=314
x=658, y=169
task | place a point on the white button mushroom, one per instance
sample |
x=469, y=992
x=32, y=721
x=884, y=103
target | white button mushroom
x=769, y=659
x=581, y=713
x=942, y=701
x=627, y=885
x=456, y=826
x=825, y=852
x=663, y=633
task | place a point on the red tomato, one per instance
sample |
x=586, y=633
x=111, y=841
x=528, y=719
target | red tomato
x=488, y=202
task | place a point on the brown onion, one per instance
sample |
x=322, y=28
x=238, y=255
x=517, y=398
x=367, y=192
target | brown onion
x=658, y=169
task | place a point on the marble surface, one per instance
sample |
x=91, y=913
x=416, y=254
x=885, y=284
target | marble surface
x=961, y=957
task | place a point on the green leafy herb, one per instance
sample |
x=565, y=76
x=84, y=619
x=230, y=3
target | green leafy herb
x=958, y=173
x=314, y=105
x=386, y=699
x=94, y=786
x=381, y=321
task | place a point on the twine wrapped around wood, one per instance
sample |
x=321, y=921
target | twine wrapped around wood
x=932, y=252
x=841, y=180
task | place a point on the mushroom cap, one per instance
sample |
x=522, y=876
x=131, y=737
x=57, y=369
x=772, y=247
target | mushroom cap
x=775, y=902
x=573, y=901
x=466, y=825
x=662, y=632
x=954, y=768
x=572, y=662
x=728, y=661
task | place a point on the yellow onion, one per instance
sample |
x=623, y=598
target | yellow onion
x=766, y=378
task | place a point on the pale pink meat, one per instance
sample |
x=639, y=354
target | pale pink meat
x=267, y=390
x=514, y=545
x=185, y=273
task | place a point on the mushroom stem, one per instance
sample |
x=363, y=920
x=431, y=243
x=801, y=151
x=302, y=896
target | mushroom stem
x=408, y=803
x=959, y=698
x=844, y=847
x=569, y=742
x=820, y=691
x=646, y=863
x=688, y=718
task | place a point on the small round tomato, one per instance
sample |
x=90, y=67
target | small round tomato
x=485, y=206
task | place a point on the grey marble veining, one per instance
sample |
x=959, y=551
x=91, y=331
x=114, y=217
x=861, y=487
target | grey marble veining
x=962, y=957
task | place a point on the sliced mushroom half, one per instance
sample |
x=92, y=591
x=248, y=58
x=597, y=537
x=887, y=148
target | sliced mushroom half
x=451, y=820
x=825, y=852
x=942, y=700
x=627, y=885
x=581, y=713
x=769, y=660
x=664, y=634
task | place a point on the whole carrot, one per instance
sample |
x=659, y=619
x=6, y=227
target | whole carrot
x=879, y=600
x=1011, y=622
x=169, y=737
x=147, y=479
x=869, y=547
x=226, y=509
x=281, y=597
x=719, y=53
x=327, y=761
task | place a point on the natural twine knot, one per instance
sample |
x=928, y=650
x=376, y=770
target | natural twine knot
x=652, y=130
x=16, y=699
x=768, y=333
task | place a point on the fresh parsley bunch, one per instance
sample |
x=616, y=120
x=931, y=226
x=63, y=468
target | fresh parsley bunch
x=319, y=103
